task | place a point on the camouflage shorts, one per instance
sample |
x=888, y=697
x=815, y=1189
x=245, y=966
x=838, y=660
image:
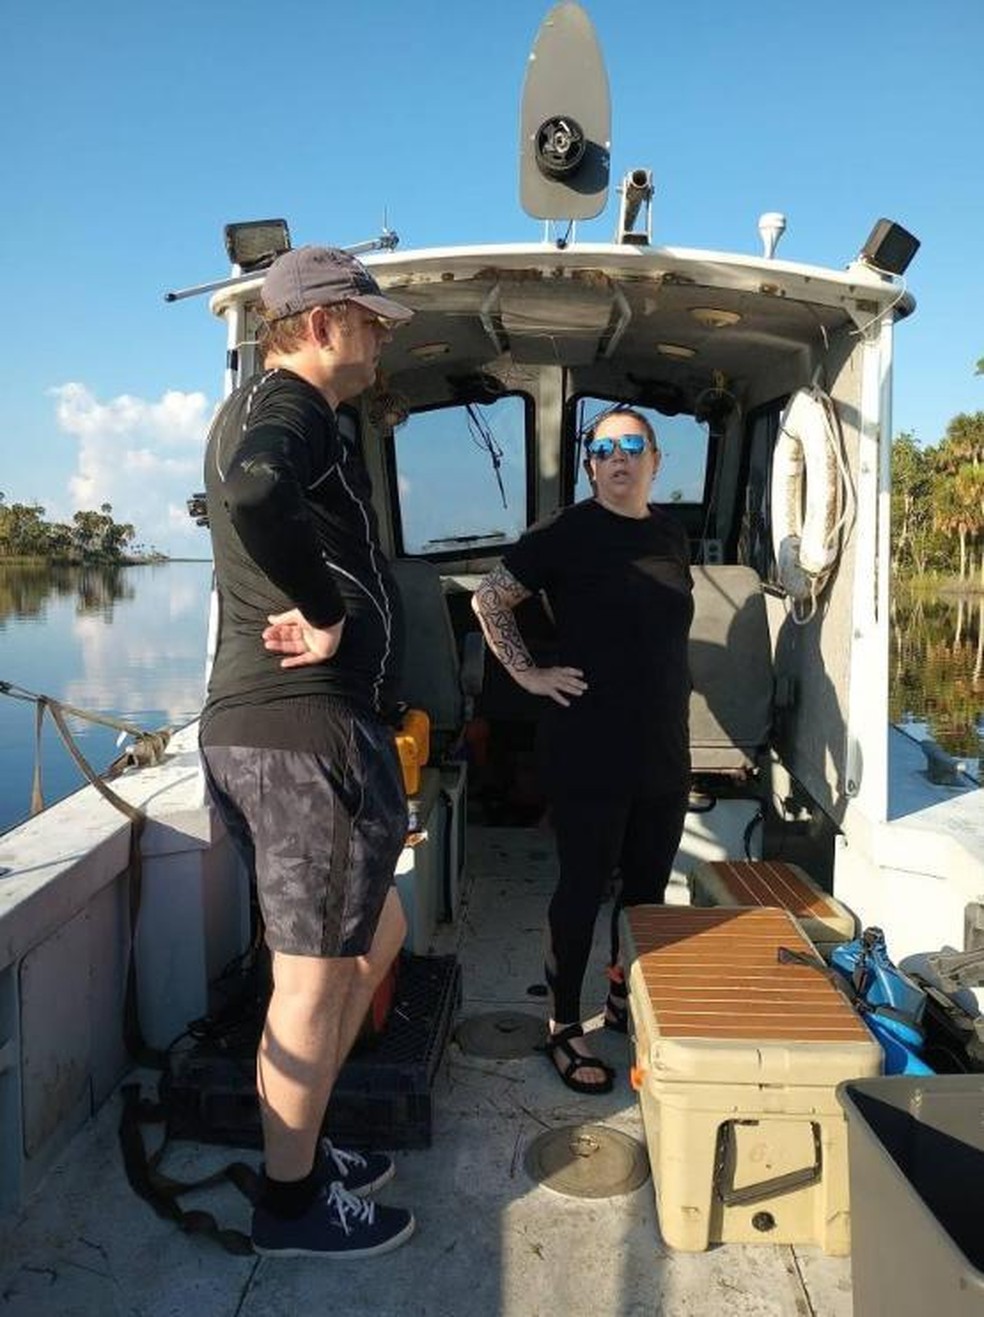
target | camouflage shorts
x=321, y=832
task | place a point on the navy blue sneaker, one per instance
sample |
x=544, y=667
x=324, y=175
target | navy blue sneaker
x=357, y=1172
x=336, y=1225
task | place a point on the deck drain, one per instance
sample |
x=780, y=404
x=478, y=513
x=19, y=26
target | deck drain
x=587, y=1161
x=501, y=1035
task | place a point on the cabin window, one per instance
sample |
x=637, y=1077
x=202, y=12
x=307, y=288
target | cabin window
x=683, y=442
x=461, y=477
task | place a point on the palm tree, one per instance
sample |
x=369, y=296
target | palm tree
x=969, y=486
x=951, y=517
x=959, y=502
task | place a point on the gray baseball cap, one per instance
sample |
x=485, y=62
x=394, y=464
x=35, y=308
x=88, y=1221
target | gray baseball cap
x=320, y=276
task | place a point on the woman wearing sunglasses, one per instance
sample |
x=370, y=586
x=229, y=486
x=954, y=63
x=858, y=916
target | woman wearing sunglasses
x=616, y=572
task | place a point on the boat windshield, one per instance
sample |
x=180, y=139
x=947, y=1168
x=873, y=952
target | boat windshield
x=461, y=476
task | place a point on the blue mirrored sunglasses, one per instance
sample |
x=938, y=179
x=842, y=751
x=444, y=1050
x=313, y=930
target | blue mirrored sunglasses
x=629, y=444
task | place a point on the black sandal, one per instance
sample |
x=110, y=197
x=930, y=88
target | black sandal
x=560, y=1042
x=617, y=1003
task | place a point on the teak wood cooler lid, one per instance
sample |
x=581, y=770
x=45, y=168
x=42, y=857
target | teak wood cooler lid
x=775, y=884
x=712, y=1002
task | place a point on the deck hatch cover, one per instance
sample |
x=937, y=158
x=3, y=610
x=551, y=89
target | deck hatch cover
x=587, y=1161
x=501, y=1035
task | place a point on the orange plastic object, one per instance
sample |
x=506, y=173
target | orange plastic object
x=416, y=723
x=413, y=746
x=407, y=750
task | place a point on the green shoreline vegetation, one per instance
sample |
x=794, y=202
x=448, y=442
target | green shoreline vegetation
x=90, y=537
x=937, y=551
x=937, y=536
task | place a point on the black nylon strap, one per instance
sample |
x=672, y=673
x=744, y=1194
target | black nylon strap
x=162, y=1192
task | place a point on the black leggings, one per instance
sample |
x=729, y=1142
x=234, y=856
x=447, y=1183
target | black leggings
x=596, y=836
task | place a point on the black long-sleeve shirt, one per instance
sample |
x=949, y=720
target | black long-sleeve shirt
x=292, y=525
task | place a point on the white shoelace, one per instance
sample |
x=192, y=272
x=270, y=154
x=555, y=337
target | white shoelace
x=350, y=1209
x=344, y=1161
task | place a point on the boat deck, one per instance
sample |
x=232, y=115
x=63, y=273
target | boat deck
x=489, y=1242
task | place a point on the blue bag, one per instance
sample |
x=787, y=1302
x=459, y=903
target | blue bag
x=891, y=1004
x=901, y=1045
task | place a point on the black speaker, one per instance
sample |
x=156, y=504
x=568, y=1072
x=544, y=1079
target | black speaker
x=890, y=248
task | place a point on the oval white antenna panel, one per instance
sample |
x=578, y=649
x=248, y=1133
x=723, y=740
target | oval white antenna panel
x=565, y=122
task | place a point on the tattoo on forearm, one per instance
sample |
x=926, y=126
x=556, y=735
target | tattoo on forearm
x=493, y=603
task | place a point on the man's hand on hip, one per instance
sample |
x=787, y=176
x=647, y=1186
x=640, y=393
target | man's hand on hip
x=292, y=634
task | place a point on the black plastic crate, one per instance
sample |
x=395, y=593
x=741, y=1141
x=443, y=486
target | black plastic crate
x=382, y=1098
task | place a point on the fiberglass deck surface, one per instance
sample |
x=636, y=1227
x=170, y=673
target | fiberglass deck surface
x=489, y=1241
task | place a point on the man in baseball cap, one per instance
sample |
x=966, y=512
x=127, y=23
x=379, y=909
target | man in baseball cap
x=323, y=276
x=296, y=742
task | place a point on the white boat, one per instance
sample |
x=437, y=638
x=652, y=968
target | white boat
x=770, y=384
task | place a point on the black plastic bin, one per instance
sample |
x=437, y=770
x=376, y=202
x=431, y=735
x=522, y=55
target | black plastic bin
x=916, y=1159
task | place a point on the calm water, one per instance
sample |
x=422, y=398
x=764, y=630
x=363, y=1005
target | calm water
x=130, y=642
x=937, y=667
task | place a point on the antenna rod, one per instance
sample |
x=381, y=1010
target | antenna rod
x=386, y=241
x=198, y=289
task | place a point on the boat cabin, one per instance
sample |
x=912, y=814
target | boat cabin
x=475, y=430
x=768, y=384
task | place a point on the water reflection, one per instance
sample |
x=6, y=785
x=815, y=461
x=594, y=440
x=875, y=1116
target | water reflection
x=26, y=588
x=938, y=665
x=126, y=642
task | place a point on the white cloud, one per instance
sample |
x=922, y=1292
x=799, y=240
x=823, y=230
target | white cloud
x=141, y=456
x=138, y=668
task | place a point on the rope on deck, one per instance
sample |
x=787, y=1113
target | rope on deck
x=148, y=749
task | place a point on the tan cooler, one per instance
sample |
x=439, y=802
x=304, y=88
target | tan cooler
x=737, y=1059
x=826, y=921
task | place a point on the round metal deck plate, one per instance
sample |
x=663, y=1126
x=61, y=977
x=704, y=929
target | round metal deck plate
x=587, y=1161
x=501, y=1035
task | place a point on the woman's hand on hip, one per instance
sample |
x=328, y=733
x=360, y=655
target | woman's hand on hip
x=555, y=683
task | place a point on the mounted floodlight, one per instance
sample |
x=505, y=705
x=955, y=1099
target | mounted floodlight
x=890, y=248
x=255, y=244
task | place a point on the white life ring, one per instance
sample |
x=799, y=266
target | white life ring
x=805, y=500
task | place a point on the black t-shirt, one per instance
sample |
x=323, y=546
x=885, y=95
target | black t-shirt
x=620, y=591
x=292, y=525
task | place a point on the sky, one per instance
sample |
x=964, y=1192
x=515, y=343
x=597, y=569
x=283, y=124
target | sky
x=131, y=133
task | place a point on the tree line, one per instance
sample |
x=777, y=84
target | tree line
x=89, y=537
x=938, y=503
